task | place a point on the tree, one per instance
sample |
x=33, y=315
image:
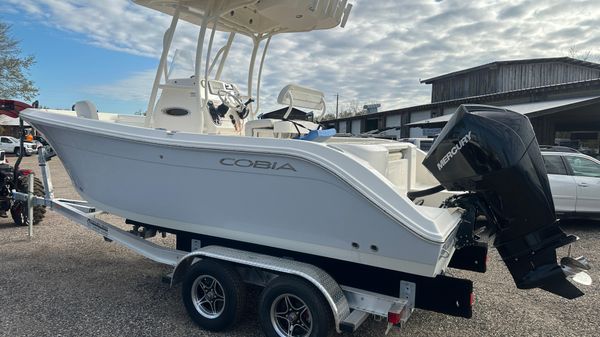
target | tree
x=583, y=55
x=352, y=108
x=13, y=68
x=327, y=117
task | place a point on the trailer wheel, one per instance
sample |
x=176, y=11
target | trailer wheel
x=18, y=210
x=292, y=307
x=213, y=294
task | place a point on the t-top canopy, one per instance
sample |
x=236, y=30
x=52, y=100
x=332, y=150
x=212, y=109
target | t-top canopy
x=258, y=17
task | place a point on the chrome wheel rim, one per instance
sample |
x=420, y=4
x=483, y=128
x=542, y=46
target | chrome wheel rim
x=208, y=296
x=291, y=317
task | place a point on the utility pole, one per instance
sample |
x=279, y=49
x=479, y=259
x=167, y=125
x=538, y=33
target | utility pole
x=337, y=105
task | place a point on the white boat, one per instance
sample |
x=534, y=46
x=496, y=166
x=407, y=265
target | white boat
x=202, y=166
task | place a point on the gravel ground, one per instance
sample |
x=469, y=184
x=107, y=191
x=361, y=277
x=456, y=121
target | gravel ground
x=67, y=281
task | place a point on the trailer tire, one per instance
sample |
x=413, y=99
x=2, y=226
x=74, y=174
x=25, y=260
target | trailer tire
x=289, y=301
x=18, y=210
x=214, y=295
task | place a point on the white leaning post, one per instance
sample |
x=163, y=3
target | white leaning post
x=301, y=97
x=30, y=204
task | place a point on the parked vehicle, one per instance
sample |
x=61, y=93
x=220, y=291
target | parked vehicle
x=19, y=182
x=13, y=145
x=557, y=148
x=42, y=143
x=575, y=183
x=422, y=143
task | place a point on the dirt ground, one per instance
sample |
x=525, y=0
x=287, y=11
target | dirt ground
x=67, y=281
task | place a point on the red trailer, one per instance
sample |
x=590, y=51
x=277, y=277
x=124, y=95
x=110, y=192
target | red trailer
x=12, y=108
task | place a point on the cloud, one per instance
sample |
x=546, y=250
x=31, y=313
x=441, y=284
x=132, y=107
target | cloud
x=135, y=87
x=380, y=56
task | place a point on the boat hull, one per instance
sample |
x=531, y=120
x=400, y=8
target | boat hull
x=263, y=197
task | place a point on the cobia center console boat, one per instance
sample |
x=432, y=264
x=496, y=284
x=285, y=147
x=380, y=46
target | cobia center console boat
x=321, y=221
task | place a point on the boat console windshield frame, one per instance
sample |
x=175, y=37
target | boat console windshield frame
x=259, y=20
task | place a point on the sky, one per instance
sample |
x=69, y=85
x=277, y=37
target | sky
x=107, y=51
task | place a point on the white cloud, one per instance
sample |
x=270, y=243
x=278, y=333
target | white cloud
x=380, y=56
x=135, y=87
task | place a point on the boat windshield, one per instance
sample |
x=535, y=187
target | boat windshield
x=182, y=64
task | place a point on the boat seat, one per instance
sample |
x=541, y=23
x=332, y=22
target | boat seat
x=294, y=127
x=278, y=128
x=294, y=96
x=86, y=109
x=253, y=128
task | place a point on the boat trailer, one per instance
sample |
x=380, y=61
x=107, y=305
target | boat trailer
x=350, y=306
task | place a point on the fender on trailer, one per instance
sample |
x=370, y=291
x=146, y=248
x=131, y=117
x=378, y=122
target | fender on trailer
x=330, y=289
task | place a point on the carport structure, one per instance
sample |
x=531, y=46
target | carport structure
x=560, y=95
x=580, y=116
x=547, y=117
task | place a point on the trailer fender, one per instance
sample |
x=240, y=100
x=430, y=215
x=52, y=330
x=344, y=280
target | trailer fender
x=330, y=289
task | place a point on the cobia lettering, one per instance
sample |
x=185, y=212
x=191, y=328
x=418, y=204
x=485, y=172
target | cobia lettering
x=257, y=164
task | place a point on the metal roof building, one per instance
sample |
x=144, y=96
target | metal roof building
x=561, y=96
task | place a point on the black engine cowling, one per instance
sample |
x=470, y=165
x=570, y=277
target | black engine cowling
x=493, y=152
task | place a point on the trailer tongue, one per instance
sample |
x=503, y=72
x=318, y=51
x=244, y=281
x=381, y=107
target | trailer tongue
x=493, y=154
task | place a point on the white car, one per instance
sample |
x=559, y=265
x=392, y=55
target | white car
x=575, y=183
x=12, y=145
x=422, y=143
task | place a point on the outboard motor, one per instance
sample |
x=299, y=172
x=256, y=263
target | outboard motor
x=494, y=154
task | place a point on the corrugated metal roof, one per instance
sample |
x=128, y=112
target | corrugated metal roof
x=525, y=109
x=436, y=120
x=524, y=61
x=528, y=108
x=482, y=99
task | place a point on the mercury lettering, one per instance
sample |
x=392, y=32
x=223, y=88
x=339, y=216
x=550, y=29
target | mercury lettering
x=454, y=150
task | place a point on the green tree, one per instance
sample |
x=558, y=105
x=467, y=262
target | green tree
x=13, y=68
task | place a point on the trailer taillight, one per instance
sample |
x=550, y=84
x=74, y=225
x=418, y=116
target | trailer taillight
x=395, y=314
x=472, y=299
x=394, y=318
